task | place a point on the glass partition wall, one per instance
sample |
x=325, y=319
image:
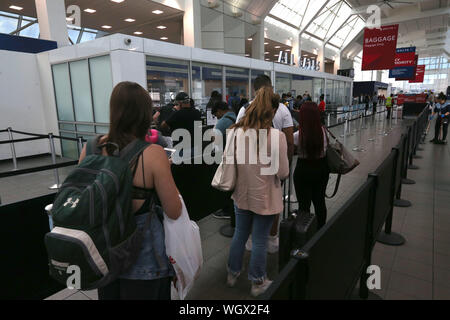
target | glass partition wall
x=83, y=89
x=82, y=92
x=206, y=78
x=166, y=78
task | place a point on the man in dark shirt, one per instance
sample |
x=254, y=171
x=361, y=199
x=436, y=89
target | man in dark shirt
x=185, y=118
x=165, y=114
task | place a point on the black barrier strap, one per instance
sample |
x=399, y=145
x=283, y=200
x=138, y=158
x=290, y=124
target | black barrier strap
x=28, y=134
x=388, y=225
x=370, y=239
x=69, y=139
x=38, y=169
x=22, y=140
x=358, y=118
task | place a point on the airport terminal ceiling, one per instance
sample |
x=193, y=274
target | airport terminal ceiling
x=338, y=23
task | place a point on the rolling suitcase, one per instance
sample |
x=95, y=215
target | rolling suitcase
x=296, y=228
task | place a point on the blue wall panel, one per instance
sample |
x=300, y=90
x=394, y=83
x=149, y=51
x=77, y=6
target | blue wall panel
x=24, y=44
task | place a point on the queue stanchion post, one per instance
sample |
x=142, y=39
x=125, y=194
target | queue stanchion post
x=13, y=148
x=329, y=119
x=80, y=145
x=359, y=147
x=57, y=185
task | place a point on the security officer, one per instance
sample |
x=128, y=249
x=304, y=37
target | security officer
x=442, y=109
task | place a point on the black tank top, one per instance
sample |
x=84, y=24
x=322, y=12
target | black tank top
x=139, y=193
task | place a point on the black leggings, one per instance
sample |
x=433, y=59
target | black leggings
x=123, y=289
x=311, y=180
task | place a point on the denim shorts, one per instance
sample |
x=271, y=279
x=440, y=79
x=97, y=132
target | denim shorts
x=152, y=262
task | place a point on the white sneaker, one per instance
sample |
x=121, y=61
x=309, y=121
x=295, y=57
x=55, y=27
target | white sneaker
x=259, y=289
x=248, y=244
x=273, y=244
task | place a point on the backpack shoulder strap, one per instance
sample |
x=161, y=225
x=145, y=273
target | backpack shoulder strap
x=92, y=146
x=133, y=150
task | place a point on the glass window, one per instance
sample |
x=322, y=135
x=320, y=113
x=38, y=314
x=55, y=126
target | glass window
x=348, y=90
x=30, y=32
x=301, y=84
x=85, y=128
x=102, y=129
x=69, y=148
x=237, y=81
x=73, y=34
x=166, y=78
x=81, y=89
x=206, y=78
x=282, y=83
x=101, y=82
x=63, y=93
x=68, y=127
x=254, y=75
x=87, y=36
x=330, y=93
x=318, y=87
x=8, y=24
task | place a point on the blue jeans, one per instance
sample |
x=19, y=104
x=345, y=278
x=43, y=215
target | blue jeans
x=259, y=226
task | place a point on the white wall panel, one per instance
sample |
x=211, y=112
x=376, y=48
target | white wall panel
x=21, y=103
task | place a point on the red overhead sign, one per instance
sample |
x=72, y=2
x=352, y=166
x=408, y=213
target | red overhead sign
x=420, y=74
x=379, y=49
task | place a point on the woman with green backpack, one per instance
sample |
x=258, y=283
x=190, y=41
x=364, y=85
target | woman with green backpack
x=149, y=277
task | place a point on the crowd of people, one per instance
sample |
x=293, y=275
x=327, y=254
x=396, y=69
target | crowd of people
x=256, y=201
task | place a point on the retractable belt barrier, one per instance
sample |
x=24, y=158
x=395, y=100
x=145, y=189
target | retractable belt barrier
x=331, y=263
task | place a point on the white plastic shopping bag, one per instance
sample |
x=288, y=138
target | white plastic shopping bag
x=184, y=249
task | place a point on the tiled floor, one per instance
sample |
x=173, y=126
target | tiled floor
x=418, y=270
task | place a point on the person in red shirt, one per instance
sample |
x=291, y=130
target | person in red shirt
x=322, y=103
x=322, y=106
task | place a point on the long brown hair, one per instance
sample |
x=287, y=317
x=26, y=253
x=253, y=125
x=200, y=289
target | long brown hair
x=259, y=115
x=130, y=114
x=311, y=132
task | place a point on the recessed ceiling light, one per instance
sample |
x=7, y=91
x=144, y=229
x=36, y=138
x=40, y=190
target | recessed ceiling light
x=161, y=27
x=138, y=32
x=164, y=38
x=15, y=7
x=288, y=49
x=90, y=10
x=106, y=27
x=275, y=55
x=266, y=43
x=130, y=20
x=247, y=55
x=267, y=59
x=117, y=1
x=277, y=47
x=157, y=11
x=249, y=39
x=266, y=52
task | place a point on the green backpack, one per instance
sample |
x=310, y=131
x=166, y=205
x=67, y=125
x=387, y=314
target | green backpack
x=95, y=232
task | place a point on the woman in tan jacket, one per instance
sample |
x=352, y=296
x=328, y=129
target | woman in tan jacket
x=262, y=162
